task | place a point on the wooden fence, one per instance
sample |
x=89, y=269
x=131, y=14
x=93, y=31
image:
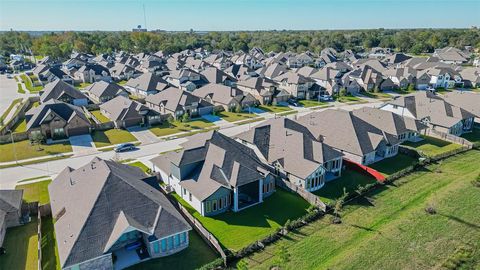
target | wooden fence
x=39, y=242
x=305, y=194
x=448, y=137
x=19, y=114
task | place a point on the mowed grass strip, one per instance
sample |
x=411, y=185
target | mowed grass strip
x=176, y=127
x=112, y=137
x=25, y=150
x=234, y=116
x=237, y=230
x=21, y=245
x=50, y=258
x=274, y=108
x=392, y=230
x=36, y=192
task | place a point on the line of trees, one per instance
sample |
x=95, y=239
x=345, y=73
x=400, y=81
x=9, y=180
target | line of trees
x=60, y=45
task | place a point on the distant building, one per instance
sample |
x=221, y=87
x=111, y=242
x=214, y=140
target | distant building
x=139, y=29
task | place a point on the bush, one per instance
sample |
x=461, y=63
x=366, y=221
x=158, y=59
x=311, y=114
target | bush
x=238, y=109
x=185, y=117
x=476, y=182
x=430, y=209
x=215, y=264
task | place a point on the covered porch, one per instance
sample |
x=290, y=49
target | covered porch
x=129, y=255
x=247, y=195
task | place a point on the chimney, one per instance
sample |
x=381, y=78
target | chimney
x=321, y=138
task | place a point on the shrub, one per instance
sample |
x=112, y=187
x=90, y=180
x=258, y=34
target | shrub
x=238, y=109
x=476, y=182
x=215, y=264
x=282, y=254
x=185, y=117
x=242, y=265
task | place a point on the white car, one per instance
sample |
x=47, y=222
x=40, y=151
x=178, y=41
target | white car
x=10, y=76
x=325, y=98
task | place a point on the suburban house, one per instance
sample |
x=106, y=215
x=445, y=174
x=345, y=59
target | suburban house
x=10, y=211
x=356, y=139
x=214, y=173
x=91, y=73
x=122, y=71
x=470, y=76
x=102, y=91
x=127, y=113
x=215, y=75
x=295, y=84
x=110, y=215
x=444, y=77
x=62, y=91
x=432, y=111
x=468, y=101
x=294, y=152
x=146, y=84
x=262, y=89
x=177, y=102
x=226, y=97
x=185, y=79
x=55, y=119
x=451, y=55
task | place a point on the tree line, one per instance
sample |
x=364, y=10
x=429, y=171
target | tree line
x=60, y=45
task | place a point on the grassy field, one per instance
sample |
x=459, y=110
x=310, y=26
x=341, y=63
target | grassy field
x=20, y=89
x=274, y=108
x=24, y=150
x=100, y=117
x=197, y=254
x=311, y=103
x=50, y=259
x=176, y=127
x=348, y=181
x=393, y=231
x=237, y=230
x=233, y=116
x=112, y=137
x=10, y=107
x=35, y=192
x=394, y=164
x=378, y=95
x=431, y=146
x=21, y=246
x=29, y=85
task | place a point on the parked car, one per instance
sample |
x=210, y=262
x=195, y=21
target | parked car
x=10, y=76
x=124, y=147
x=430, y=89
x=293, y=102
x=325, y=98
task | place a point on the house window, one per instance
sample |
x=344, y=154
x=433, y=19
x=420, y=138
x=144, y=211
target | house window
x=208, y=206
x=183, y=238
x=220, y=203
x=156, y=247
x=190, y=196
x=170, y=243
x=214, y=205
x=184, y=191
x=177, y=240
x=164, y=245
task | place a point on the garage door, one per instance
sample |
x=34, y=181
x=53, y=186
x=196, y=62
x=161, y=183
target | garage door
x=132, y=122
x=78, y=131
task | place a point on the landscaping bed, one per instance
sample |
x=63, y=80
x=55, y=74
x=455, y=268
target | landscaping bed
x=237, y=230
x=111, y=137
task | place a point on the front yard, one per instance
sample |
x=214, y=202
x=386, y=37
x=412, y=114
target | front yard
x=237, y=230
x=349, y=181
x=197, y=254
x=25, y=150
x=21, y=246
x=112, y=137
x=394, y=164
x=233, y=116
x=345, y=99
x=35, y=192
x=274, y=108
x=312, y=103
x=378, y=95
x=176, y=127
x=100, y=117
x=431, y=146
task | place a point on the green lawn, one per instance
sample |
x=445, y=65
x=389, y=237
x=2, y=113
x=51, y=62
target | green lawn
x=50, y=259
x=123, y=82
x=112, y=137
x=274, y=108
x=311, y=103
x=197, y=254
x=83, y=85
x=24, y=150
x=237, y=230
x=10, y=108
x=348, y=181
x=393, y=231
x=35, y=192
x=431, y=146
x=140, y=165
x=20, y=126
x=394, y=164
x=233, y=116
x=378, y=95
x=100, y=117
x=29, y=85
x=165, y=129
x=21, y=246
x=20, y=89
x=345, y=99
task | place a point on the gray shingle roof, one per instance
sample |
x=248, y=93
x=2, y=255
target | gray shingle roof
x=105, y=89
x=58, y=88
x=36, y=116
x=98, y=200
x=121, y=108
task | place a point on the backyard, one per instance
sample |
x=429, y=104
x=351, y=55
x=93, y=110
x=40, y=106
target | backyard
x=234, y=116
x=348, y=181
x=197, y=254
x=473, y=136
x=100, y=117
x=237, y=230
x=111, y=137
x=394, y=164
x=50, y=259
x=393, y=230
x=35, y=192
x=21, y=246
x=25, y=150
x=431, y=146
x=176, y=127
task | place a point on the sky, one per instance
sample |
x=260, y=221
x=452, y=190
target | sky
x=225, y=15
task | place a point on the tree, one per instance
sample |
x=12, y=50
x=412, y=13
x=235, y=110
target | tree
x=170, y=120
x=411, y=87
x=343, y=92
x=37, y=139
x=185, y=117
x=238, y=108
x=282, y=254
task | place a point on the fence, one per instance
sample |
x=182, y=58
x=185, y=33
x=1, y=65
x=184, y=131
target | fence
x=19, y=114
x=39, y=243
x=448, y=137
x=204, y=233
x=305, y=194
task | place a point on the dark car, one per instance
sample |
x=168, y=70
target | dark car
x=124, y=147
x=293, y=102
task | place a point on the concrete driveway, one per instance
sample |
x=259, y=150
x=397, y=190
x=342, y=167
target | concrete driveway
x=82, y=145
x=143, y=134
x=8, y=92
